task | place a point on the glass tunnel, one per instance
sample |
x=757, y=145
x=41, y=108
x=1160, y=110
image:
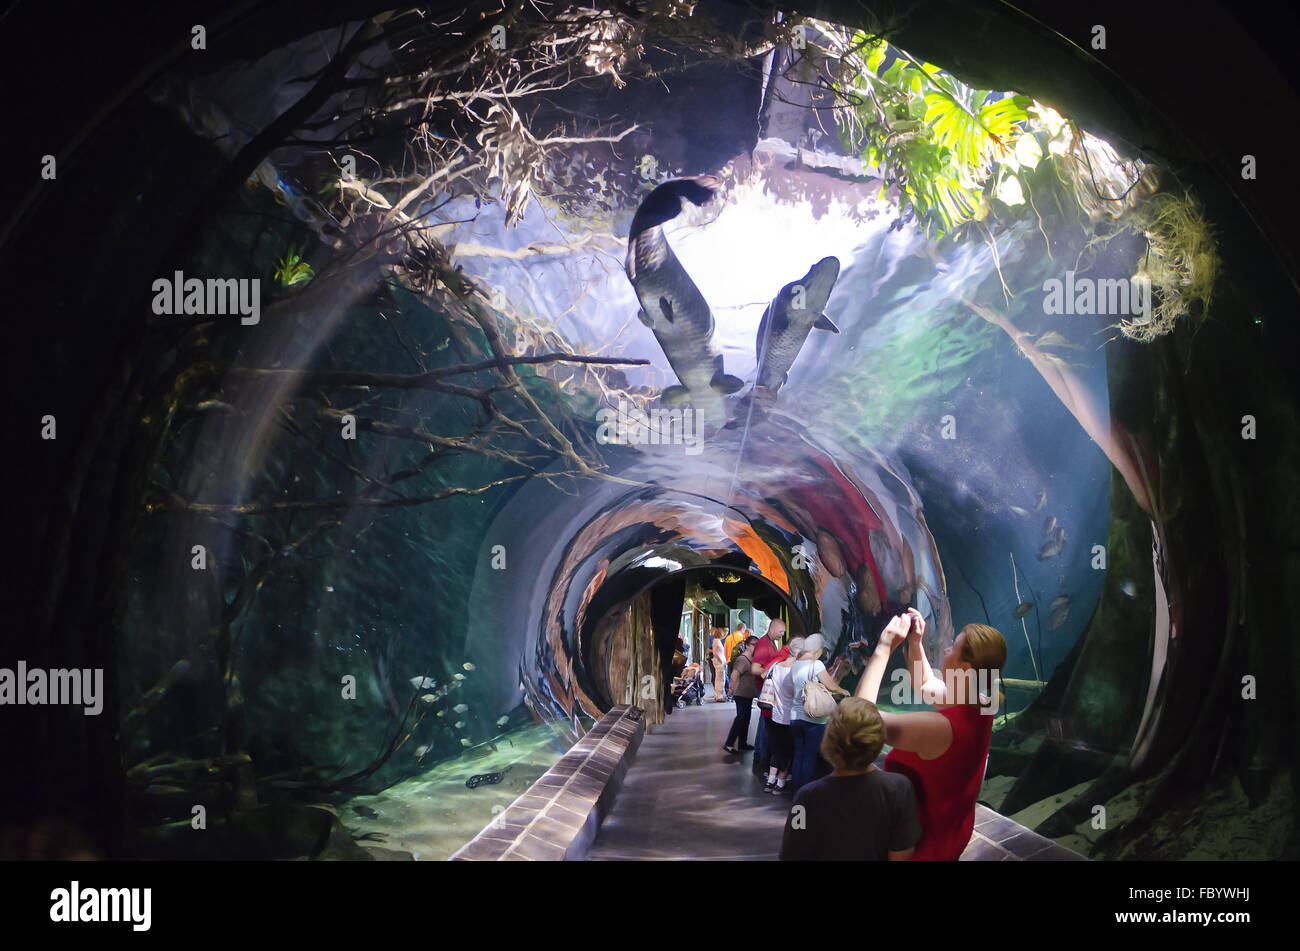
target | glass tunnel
x=432, y=382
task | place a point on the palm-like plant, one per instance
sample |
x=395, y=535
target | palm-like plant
x=937, y=139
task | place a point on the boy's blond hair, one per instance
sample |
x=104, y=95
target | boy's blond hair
x=854, y=735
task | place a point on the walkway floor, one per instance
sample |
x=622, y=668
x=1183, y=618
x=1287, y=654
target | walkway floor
x=686, y=798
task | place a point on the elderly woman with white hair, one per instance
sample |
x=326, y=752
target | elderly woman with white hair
x=805, y=730
x=779, y=739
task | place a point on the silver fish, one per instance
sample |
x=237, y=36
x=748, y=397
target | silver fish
x=1023, y=609
x=793, y=314
x=1049, y=526
x=1060, y=534
x=1130, y=588
x=1063, y=601
x=420, y=751
x=503, y=720
x=461, y=707
x=1017, y=510
x=1059, y=617
x=458, y=676
x=1051, y=549
x=468, y=666
x=1040, y=500
x=423, y=683
x=465, y=742
x=459, y=725
x=671, y=305
x=427, y=698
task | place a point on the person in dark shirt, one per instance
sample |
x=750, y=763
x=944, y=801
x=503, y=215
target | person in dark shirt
x=743, y=691
x=857, y=813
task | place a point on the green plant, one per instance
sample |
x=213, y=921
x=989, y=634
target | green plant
x=292, y=269
x=946, y=148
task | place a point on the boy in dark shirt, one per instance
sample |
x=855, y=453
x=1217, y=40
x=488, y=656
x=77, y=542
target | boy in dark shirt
x=858, y=812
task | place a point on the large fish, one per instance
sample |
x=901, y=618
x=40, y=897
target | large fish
x=788, y=320
x=671, y=305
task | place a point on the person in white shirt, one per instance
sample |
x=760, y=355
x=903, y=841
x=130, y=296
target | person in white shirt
x=807, y=731
x=779, y=739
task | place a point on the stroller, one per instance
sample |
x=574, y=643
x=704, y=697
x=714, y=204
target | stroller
x=687, y=687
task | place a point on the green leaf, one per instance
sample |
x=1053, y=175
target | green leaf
x=876, y=57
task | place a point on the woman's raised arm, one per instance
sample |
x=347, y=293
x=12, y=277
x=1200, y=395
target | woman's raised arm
x=893, y=635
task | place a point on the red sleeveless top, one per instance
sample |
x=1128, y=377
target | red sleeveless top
x=948, y=786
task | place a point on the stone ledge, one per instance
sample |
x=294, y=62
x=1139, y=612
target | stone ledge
x=557, y=817
x=999, y=839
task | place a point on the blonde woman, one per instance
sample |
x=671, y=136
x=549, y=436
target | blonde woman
x=716, y=637
x=858, y=813
x=942, y=752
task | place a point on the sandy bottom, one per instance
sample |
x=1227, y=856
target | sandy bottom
x=432, y=815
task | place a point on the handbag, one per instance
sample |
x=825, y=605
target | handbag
x=767, y=696
x=817, y=700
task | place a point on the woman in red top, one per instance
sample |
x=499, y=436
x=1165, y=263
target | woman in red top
x=942, y=752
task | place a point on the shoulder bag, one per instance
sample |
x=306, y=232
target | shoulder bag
x=817, y=700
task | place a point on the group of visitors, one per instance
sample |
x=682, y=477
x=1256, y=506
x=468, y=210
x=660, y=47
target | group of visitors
x=920, y=803
x=788, y=737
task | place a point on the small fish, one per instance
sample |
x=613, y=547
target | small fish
x=468, y=666
x=427, y=698
x=365, y=812
x=1062, y=601
x=464, y=742
x=329, y=588
x=423, y=683
x=1049, y=526
x=441, y=712
x=1130, y=588
x=1040, y=500
x=1060, y=534
x=420, y=751
x=459, y=724
x=503, y=720
x=1059, y=617
x=1023, y=609
x=458, y=676
x=1051, y=549
x=461, y=707
x=486, y=779
x=1017, y=510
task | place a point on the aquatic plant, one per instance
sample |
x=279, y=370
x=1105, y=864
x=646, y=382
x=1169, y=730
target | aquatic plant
x=1015, y=581
x=1180, y=263
x=291, y=269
